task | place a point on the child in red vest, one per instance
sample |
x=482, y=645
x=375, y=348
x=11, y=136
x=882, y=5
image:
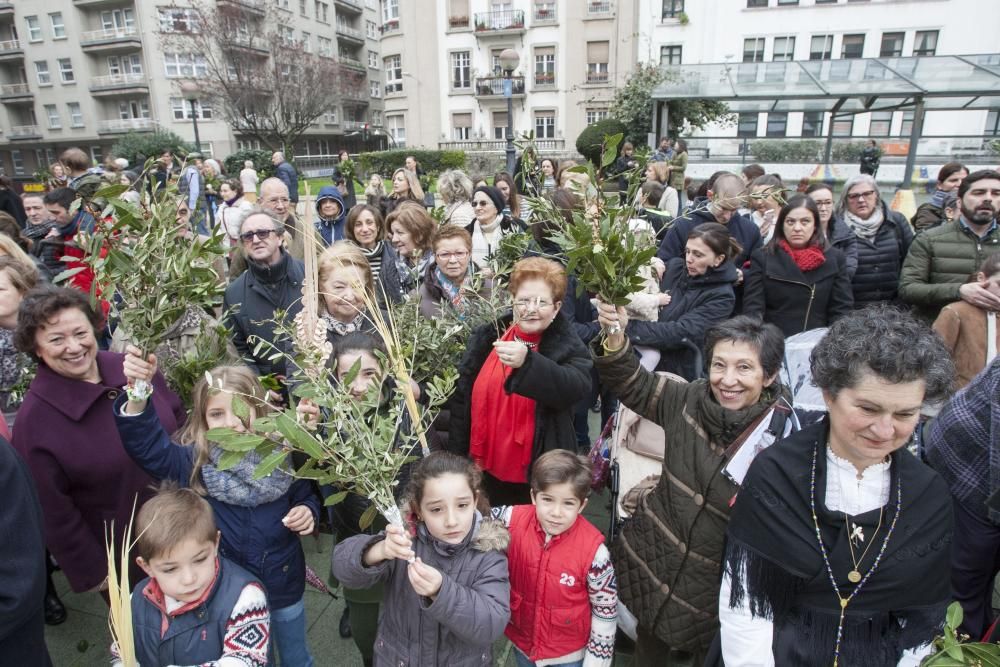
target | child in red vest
x=563, y=593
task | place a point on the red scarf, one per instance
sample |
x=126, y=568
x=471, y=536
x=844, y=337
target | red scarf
x=502, y=433
x=809, y=258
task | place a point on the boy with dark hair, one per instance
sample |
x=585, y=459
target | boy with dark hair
x=196, y=607
x=564, y=596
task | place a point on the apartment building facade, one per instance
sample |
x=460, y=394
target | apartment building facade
x=683, y=32
x=444, y=87
x=85, y=72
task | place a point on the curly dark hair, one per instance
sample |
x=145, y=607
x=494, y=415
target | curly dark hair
x=41, y=305
x=887, y=342
x=766, y=339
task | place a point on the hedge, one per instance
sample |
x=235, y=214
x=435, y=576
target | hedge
x=847, y=151
x=431, y=161
x=233, y=164
x=787, y=151
x=589, y=143
x=138, y=147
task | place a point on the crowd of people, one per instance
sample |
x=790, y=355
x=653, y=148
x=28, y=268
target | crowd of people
x=767, y=538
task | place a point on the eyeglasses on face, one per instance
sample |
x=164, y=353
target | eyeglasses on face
x=533, y=304
x=448, y=256
x=858, y=196
x=481, y=203
x=262, y=234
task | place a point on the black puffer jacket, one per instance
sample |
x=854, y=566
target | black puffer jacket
x=696, y=304
x=843, y=239
x=881, y=259
x=795, y=301
x=254, y=296
x=556, y=376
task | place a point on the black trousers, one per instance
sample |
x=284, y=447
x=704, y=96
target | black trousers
x=975, y=561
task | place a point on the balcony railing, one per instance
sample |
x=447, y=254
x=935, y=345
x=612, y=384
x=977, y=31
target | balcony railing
x=351, y=62
x=599, y=7
x=348, y=31
x=125, y=124
x=10, y=46
x=502, y=21
x=25, y=132
x=392, y=25
x=597, y=77
x=545, y=79
x=545, y=12
x=10, y=89
x=353, y=124
x=458, y=21
x=113, y=80
x=256, y=6
x=350, y=4
x=492, y=86
x=107, y=35
x=498, y=144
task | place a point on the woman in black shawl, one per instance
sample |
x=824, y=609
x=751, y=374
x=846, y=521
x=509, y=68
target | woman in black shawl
x=839, y=542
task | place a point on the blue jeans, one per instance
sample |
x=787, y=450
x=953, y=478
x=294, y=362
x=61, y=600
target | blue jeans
x=522, y=661
x=288, y=630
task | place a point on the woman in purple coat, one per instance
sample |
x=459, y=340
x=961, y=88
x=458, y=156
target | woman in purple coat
x=66, y=432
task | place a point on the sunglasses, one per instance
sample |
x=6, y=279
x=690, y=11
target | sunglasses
x=262, y=234
x=481, y=203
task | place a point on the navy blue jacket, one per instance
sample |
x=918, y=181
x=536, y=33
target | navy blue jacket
x=252, y=537
x=331, y=230
x=740, y=227
x=880, y=260
x=286, y=172
x=196, y=636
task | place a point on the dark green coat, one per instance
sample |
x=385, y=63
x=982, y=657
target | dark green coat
x=939, y=262
x=668, y=555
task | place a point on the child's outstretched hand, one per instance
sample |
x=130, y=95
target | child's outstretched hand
x=397, y=544
x=425, y=579
x=136, y=368
x=299, y=519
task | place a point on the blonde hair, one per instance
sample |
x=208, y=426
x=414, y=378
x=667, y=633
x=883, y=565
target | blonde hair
x=340, y=255
x=233, y=379
x=12, y=249
x=661, y=171
x=416, y=192
x=22, y=277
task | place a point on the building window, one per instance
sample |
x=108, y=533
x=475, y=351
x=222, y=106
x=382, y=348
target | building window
x=672, y=8
x=784, y=49
x=393, y=75
x=118, y=20
x=184, y=65
x=925, y=43
x=173, y=19
x=395, y=125
x=390, y=12
x=373, y=59
x=892, y=45
x=812, y=124
x=881, y=123
x=756, y=3
x=906, y=127
x=787, y=2
x=133, y=109
x=461, y=70
x=597, y=62
x=499, y=124
x=181, y=109
x=821, y=47
x=545, y=124
x=371, y=29
x=777, y=124
x=58, y=27
x=747, y=124
x=18, y=160
x=670, y=54
x=322, y=11
x=753, y=50
x=461, y=126
x=66, y=70
x=545, y=66
x=330, y=117
x=42, y=72
x=75, y=114
x=375, y=88
x=992, y=123
x=130, y=64
x=853, y=46
x=52, y=113
x=376, y=118
x=34, y=28
x=596, y=115
x=324, y=47
x=843, y=126
x=826, y=2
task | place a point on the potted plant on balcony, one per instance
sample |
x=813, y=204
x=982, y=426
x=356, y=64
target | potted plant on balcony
x=458, y=21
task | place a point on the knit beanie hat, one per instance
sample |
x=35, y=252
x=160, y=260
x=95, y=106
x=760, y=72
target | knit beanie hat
x=494, y=194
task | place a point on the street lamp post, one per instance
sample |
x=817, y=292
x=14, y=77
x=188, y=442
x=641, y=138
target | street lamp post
x=190, y=91
x=508, y=63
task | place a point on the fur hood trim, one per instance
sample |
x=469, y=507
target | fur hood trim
x=491, y=536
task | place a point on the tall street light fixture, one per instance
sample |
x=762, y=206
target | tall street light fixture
x=191, y=91
x=508, y=63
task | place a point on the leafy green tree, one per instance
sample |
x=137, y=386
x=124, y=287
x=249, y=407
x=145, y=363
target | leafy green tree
x=633, y=105
x=590, y=143
x=137, y=147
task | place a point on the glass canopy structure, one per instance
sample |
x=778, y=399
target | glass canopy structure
x=840, y=87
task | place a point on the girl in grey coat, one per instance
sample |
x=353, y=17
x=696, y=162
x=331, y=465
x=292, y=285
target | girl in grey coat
x=447, y=590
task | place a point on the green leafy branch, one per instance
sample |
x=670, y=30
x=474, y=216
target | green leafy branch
x=950, y=651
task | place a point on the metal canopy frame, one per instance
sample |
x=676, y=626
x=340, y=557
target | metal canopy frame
x=840, y=87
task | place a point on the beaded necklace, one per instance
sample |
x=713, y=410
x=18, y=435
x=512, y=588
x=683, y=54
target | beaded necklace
x=826, y=559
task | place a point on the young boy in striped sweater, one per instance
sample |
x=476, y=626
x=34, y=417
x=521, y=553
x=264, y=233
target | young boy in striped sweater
x=564, y=597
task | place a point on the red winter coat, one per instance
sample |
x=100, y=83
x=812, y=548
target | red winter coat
x=549, y=598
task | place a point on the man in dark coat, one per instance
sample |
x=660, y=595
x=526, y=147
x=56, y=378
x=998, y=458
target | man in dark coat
x=272, y=282
x=286, y=172
x=22, y=565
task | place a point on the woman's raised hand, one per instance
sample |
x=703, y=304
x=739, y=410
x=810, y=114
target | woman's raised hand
x=613, y=320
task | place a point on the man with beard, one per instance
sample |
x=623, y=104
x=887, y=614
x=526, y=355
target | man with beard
x=941, y=259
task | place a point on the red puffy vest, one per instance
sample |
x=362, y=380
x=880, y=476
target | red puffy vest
x=549, y=600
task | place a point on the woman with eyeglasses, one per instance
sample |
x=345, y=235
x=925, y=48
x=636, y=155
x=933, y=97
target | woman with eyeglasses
x=884, y=237
x=836, y=231
x=448, y=284
x=365, y=228
x=519, y=382
x=491, y=224
x=798, y=281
